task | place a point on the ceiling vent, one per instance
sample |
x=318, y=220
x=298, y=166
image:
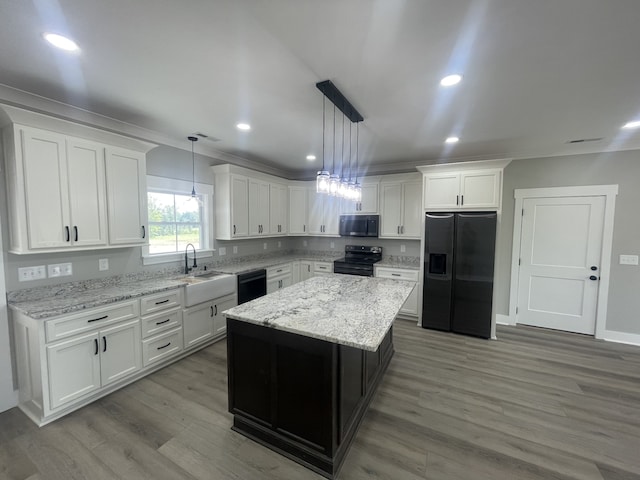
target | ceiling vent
x=585, y=140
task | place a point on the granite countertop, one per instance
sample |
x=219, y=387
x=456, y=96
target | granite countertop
x=344, y=309
x=243, y=266
x=409, y=263
x=45, y=302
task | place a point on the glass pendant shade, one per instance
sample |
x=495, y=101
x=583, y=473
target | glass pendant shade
x=343, y=188
x=357, y=196
x=334, y=183
x=322, y=181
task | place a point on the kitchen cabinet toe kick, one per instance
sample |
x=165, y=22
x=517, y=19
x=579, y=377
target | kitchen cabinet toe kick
x=299, y=396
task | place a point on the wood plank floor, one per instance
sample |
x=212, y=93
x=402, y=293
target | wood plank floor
x=533, y=405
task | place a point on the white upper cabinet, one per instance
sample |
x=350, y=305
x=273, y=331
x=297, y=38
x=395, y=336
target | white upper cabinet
x=368, y=204
x=401, y=209
x=464, y=186
x=324, y=213
x=248, y=204
x=58, y=192
x=298, y=211
x=126, y=197
x=278, y=201
x=258, y=208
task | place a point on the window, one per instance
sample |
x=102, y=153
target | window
x=176, y=219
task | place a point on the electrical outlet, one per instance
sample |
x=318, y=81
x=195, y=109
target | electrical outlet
x=403, y=248
x=103, y=264
x=235, y=249
x=279, y=244
x=264, y=246
x=59, y=270
x=628, y=259
x=333, y=244
x=27, y=274
x=222, y=251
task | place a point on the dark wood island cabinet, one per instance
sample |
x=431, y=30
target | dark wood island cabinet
x=303, y=391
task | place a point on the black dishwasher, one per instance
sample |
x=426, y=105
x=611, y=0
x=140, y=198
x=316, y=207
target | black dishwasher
x=252, y=285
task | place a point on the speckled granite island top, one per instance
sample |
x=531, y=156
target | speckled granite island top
x=344, y=309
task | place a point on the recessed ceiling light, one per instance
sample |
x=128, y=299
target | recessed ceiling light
x=311, y=157
x=61, y=42
x=451, y=80
x=452, y=140
x=243, y=126
x=634, y=124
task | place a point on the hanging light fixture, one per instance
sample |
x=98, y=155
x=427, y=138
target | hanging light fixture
x=357, y=191
x=194, y=195
x=334, y=180
x=343, y=188
x=323, y=176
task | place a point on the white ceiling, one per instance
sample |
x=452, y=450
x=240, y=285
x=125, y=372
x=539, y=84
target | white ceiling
x=537, y=73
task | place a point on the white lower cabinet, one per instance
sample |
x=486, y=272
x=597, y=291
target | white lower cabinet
x=160, y=347
x=205, y=321
x=279, y=277
x=86, y=363
x=322, y=267
x=306, y=270
x=410, y=307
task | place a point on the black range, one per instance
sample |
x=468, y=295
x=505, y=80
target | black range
x=358, y=260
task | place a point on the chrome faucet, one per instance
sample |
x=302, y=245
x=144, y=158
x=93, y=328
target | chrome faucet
x=186, y=258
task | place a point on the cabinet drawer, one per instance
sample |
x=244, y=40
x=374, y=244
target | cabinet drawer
x=323, y=267
x=397, y=274
x=279, y=271
x=161, y=346
x=161, y=301
x=89, y=320
x=161, y=322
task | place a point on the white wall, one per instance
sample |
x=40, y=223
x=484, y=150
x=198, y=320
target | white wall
x=8, y=397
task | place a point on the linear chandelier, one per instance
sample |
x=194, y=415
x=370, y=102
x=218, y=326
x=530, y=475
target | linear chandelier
x=339, y=185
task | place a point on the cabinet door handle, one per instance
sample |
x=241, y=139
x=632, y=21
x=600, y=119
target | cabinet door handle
x=215, y=309
x=67, y=232
x=97, y=319
x=163, y=301
x=144, y=232
x=104, y=344
x=234, y=229
x=304, y=228
x=163, y=322
x=95, y=340
x=461, y=199
x=164, y=346
x=396, y=275
x=402, y=229
x=398, y=228
x=211, y=315
x=457, y=199
x=75, y=233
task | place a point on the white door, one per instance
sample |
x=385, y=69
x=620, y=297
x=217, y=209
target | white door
x=560, y=258
x=239, y=206
x=198, y=324
x=298, y=210
x=120, y=351
x=391, y=209
x=219, y=320
x=412, y=210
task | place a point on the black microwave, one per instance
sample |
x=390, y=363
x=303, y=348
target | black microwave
x=359, y=225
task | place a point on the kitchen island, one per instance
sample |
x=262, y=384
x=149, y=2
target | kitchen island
x=305, y=361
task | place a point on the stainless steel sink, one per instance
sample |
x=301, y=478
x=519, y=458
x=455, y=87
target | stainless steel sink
x=207, y=286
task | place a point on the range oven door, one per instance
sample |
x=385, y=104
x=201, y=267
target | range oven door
x=364, y=270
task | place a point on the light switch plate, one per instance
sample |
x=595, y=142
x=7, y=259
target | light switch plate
x=103, y=264
x=222, y=251
x=333, y=244
x=628, y=259
x=279, y=244
x=264, y=245
x=235, y=249
x=403, y=248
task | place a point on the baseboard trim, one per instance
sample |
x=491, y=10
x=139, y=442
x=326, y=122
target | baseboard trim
x=503, y=319
x=621, y=337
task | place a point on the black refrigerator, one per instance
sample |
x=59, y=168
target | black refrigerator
x=459, y=251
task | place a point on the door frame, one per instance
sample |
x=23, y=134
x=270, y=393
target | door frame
x=609, y=192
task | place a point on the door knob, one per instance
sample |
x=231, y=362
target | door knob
x=593, y=277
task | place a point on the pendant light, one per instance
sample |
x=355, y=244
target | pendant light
x=343, y=188
x=351, y=189
x=194, y=195
x=357, y=196
x=334, y=180
x=323, y=176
